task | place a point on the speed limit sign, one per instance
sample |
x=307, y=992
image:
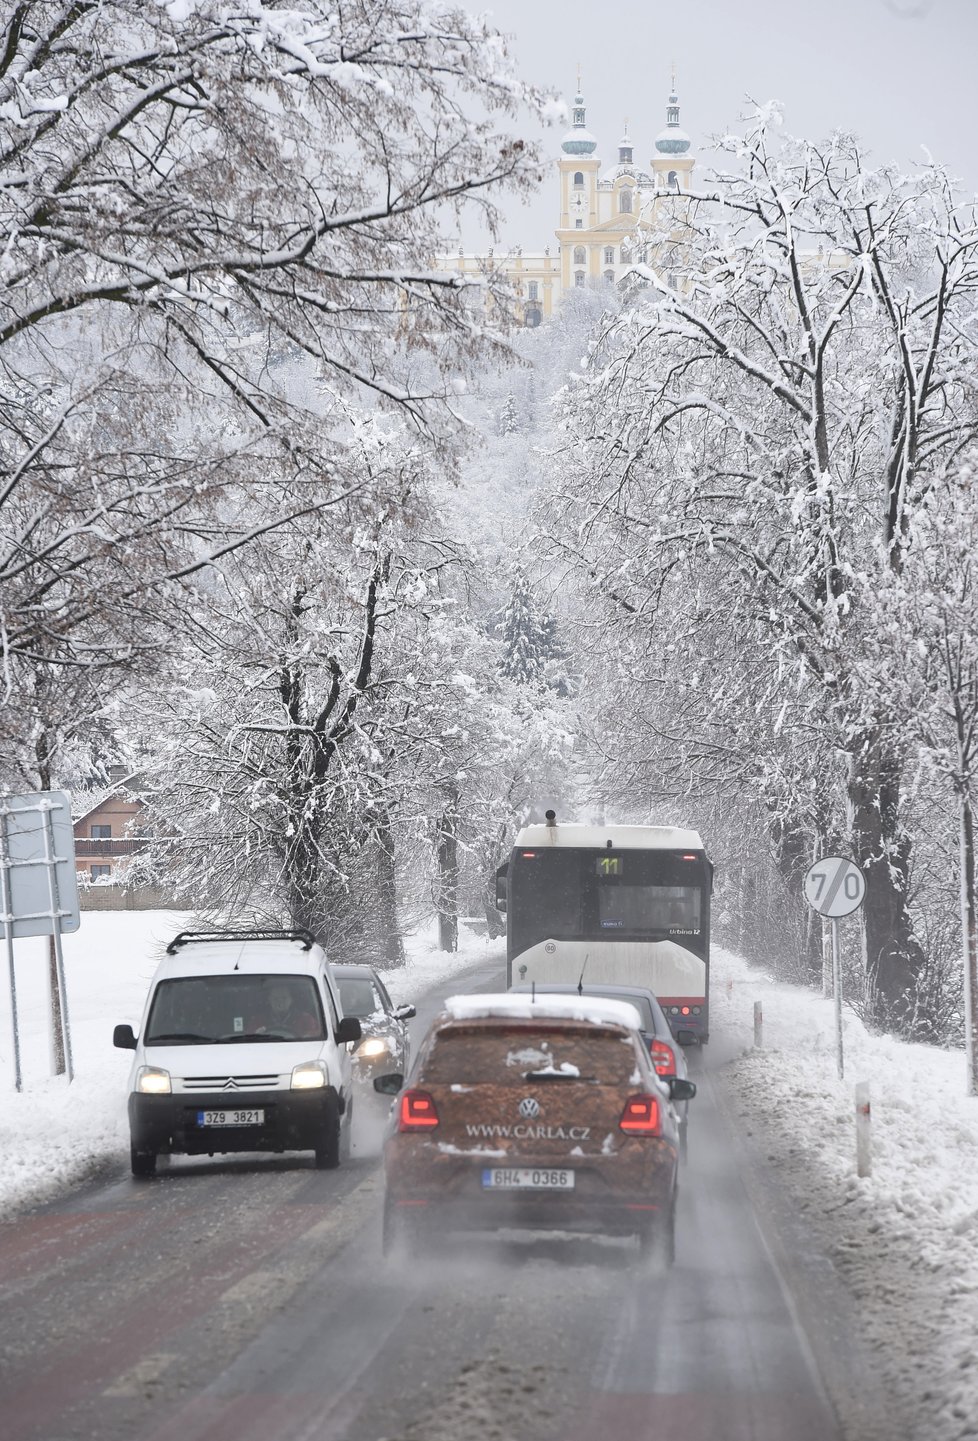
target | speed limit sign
x=834, y=886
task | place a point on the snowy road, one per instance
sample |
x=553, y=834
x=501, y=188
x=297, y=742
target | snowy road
x=246, y=1301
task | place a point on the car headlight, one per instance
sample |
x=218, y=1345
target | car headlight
x=153, y=1081
x=372, y=1046
x=310, y=1076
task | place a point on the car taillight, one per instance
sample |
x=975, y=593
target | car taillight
x=663, y=1058
x=640, y=1116
x=418, y=1112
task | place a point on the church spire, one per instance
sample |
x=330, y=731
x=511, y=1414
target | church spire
x=578, y=140
x=673, y=140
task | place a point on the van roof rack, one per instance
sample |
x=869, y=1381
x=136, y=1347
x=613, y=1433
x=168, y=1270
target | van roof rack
x=306, y=939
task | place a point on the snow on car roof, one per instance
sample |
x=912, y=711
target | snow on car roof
x=214, y=958
x=508, y=1006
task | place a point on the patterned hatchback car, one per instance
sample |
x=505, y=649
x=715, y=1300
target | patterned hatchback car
x=533, y=1112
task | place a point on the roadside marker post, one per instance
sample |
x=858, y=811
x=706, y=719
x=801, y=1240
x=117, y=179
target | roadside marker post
x=758, y=1026
x=835, y=887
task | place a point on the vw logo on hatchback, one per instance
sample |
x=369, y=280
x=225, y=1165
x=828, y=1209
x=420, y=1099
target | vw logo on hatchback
x=529, y=1108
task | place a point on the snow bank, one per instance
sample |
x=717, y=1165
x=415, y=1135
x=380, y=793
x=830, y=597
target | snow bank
x=904, y=1241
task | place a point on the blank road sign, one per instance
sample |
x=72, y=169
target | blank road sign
x=38, y=884
x=834, y=886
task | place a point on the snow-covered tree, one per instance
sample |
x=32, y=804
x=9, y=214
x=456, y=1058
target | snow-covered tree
x=528, y=633
x=218, y=226
x=767, y=429
x=928, y=614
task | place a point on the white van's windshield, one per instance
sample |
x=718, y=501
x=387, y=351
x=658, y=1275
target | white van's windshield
x=204, y=1010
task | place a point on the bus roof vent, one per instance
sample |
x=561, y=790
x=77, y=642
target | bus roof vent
x=551, y=818
x=609, y=844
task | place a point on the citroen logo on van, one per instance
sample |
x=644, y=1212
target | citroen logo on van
x=529, y=1108
x=230, y=1084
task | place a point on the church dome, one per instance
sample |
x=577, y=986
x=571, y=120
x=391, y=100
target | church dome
x=578, y=142
x=672, y=141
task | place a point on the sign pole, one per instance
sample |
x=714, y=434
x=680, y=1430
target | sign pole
x=52, y=859
x=837, y=987
x=834, y=887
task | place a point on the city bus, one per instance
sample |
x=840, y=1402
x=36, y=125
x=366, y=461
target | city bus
x=622, y=905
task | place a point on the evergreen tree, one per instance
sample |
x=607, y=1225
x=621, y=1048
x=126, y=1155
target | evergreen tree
x=532, y=651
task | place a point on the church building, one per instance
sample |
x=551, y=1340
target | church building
x=605, y=216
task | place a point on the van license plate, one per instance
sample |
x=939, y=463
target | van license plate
x=230, y=1118
x=526, y=1178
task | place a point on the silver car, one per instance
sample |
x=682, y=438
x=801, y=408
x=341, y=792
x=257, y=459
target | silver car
x=385, y=1043
x=668, y=1056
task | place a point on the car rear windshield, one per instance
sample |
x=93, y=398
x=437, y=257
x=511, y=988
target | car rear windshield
x=512, y=1054
x=199, y=1010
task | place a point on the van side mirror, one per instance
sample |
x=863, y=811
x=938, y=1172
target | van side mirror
x=123, y=1037
x=348, y=1029
x=404, y=1013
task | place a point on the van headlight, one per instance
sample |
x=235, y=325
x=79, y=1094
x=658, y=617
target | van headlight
x=310, y=1076
x=153, y=1081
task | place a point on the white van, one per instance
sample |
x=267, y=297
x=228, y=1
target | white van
x=243, y=1047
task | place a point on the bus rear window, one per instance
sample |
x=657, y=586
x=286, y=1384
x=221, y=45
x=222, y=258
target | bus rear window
x=643, y=908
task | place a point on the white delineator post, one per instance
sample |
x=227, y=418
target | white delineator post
x=864, y=1155
x=758, y=1026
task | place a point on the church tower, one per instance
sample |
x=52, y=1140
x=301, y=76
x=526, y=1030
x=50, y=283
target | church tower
x=578, y=167
x=672, y=164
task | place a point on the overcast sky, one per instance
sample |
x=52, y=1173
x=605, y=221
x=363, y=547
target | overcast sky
x=902, y=74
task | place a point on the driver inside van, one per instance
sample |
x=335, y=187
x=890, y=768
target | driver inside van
x=283, y=1017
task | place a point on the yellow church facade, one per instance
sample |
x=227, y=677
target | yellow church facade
x=610, y=218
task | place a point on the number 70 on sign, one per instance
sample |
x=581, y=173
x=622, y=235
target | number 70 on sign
x=834, y=886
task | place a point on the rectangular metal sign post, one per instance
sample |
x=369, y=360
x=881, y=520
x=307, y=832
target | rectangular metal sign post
x=54, y=897
x=5, y=899
x=39, y=889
